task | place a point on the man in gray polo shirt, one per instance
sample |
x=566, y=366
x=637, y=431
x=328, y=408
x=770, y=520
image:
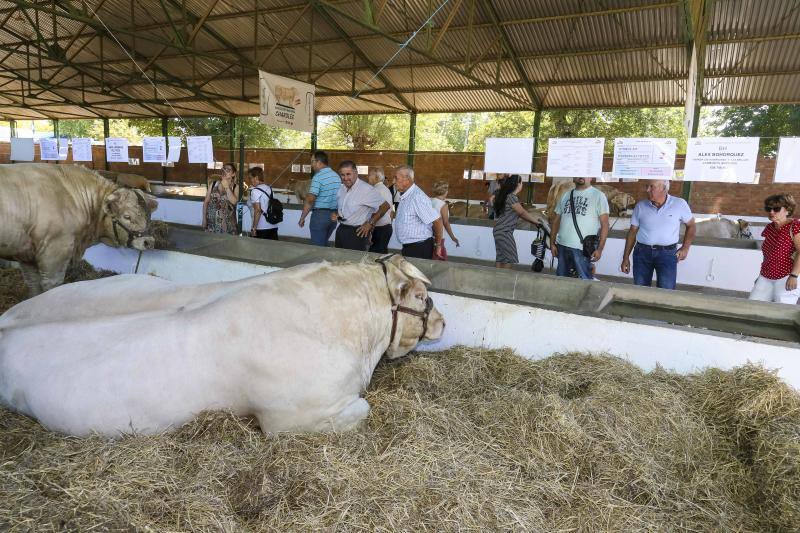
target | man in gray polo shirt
x=655, y=231
x=360, y=207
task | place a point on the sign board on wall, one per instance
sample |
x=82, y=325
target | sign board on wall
x=508, y=156
x=200, y=149
x=48, y=149
x=154, y=149
x=285, y=103
x=726, y=159
x=174, y=153
x=82, y=149
x=21, y=149
x=788, y=167
x=644, y=157
x=117, y=150
x=575, y=158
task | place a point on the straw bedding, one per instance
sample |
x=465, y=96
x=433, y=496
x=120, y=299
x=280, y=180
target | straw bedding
x=459, y=440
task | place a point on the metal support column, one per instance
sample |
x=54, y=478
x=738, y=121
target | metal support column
x=55, y=128
x=314, y=134
x=232, y=139
x=12, y=124
x=412, y=135
x=537, y=122
x=106, y=135
x=240, y=203
x=165, y=133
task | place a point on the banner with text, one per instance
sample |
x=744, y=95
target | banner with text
x=285, y=103
x=726, y=159
x=575, y=157
x=788, y=168
x=644, y=157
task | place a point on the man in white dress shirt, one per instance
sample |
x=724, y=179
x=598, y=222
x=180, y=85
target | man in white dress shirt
x=383, y=230
x=360, y=207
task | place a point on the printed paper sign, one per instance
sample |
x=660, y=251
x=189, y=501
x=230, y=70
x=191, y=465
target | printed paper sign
x=644, y=157
x=726, y=159
x=296, y=168
x=116, y=150
x=82, y=149
x=154, y=149
x=63, y=148
x=174, y=154
x=575, y=158
x=508, y=156
x=48, y=149
x=200, y=149
x=307, y=169
x=788, y=169
x=535, y=177
x=21, y=149
x=476, y=175
x=286, y=103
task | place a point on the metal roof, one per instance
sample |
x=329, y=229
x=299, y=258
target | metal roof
x=82, y=59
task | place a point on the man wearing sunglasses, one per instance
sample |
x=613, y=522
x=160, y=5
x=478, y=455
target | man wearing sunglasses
x=655, y=232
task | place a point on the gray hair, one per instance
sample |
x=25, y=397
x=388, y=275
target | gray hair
x=379, y=173
x=407, y=170
x=664, y=183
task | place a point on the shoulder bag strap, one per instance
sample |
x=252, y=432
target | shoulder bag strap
x=574, y=218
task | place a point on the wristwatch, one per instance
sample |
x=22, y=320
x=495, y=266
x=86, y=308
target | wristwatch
x=793, y=276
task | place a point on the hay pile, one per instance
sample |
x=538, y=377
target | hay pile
x=462, y=440
x=160, y=230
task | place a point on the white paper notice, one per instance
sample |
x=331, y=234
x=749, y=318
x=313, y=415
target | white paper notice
x=63, y=148
x=575, y=158
x=727, y=159
x=174, y=154
x=644, y=158
x=117, y=150
x=509, y=156
x=788, y=169
x=21, y=149
x=48, y=149
x=82, y=149
x=200, y=149
x=154, y=149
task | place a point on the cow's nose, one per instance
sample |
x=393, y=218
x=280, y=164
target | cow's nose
x=149, y=243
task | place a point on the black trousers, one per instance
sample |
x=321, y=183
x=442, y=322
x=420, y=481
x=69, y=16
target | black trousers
x=271, y=234
x=421, y=249
x=346, y=238
x=380, y=239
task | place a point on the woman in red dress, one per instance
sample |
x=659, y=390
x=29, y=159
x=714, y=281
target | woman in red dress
x=777, y=281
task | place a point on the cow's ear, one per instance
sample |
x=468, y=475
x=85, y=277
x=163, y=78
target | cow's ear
x=408, y=269
x=743, y=223
x=111, y=203
x=150, y=201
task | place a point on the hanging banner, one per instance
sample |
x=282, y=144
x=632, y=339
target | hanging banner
x=63, y=148
x=726, y=159
x=21, y=149
x=200, y=149
x=644, y=157
x=286, y=103
x=116, y=150
x=81, y=149
x=174, y=154
x=508, y=156
x=788, y=168
x=575, y=158
x=154, y=149
x=48, y=149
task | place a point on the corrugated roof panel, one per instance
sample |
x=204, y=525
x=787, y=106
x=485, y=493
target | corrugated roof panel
x=753, y=18
x=650, y=93
x=753, y=89
x=759, y=56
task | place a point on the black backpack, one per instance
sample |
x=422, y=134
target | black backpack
x=274, y=212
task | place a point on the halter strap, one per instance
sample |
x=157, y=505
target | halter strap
x=401, y=308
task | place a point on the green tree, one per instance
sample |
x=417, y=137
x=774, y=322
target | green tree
x=81, y=128
x=770, y=122
x=364, y=132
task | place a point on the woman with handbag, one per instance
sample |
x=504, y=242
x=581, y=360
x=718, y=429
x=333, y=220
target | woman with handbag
x=508, y=211
x=581, y=237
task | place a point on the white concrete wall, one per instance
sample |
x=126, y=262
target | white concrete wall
x=707, y=266
x=534, y=333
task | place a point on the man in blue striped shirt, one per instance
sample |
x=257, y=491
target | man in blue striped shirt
x=321, y=200
x=417, y=225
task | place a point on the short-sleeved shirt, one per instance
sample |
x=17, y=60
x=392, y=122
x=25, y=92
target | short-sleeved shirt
x=386, y=194
x=324, y=185
x=590, y=204
x=507, y=220
x=778, y=249
x=660, y=226
x=415, y=216
x=259, y=195
x=357, y=204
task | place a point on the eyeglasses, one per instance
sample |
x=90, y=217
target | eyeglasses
x=773, y=209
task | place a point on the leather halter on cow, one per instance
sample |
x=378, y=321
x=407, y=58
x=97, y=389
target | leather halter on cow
x=396, y=308
x=131, y=233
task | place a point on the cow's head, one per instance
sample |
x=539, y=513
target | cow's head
x=416, y=317
x=126, y=216
x=744, y=229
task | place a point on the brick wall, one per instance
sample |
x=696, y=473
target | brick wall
x=726, y=198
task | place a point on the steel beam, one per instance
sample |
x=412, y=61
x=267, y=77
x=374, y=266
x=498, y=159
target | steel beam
x=412, y=138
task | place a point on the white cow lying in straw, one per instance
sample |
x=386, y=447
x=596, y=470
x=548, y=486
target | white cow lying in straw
x=134, y=353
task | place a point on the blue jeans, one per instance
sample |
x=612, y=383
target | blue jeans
x=663, y=262
x=573, y=259
x=321, y=226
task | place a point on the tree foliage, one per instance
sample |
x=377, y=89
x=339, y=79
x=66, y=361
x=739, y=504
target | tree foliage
x=766, y=121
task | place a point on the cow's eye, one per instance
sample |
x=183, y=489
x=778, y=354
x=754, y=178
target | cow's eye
x=420, y=297
x=126, y=217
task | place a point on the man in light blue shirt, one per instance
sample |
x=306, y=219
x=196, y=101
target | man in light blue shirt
x=655, y=231
x=591, y=215
x=321, y=198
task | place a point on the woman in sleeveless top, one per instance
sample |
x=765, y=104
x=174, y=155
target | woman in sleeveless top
x=439, y=203
x=777, y=280
x=508, y=210
x=219, y=206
